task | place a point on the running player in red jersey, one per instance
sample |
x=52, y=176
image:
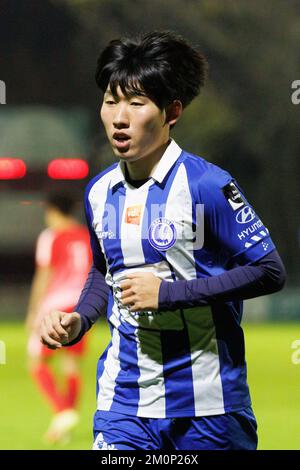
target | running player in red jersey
x=63, y=259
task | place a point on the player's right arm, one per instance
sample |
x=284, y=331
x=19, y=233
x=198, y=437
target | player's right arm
x=62, y=328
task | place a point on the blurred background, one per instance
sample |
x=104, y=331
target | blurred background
x=244, y=121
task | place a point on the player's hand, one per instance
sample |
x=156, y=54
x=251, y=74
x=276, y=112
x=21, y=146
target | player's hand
x=140, y=291
x=59, y=328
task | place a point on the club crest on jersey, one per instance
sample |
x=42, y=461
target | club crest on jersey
x=162, y=234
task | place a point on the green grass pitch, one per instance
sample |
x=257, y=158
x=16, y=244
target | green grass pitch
x=274, y=383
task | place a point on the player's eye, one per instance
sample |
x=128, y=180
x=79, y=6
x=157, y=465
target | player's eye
x=109, y=102
x=136, y=103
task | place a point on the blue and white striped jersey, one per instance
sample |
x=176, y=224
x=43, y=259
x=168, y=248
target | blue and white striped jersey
x=189, y=220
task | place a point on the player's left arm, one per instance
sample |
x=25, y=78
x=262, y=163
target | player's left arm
x=258, y=269
x=146, y=291
x=243, y=243
x=263, y=277
x=140, y=291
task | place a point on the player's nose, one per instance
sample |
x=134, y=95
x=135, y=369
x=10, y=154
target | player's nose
x=121, y=118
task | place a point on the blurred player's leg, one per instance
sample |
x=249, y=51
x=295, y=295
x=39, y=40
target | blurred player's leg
x=61, y=426
x=71, y=372
x=43, y=376
x=67, y=419
x=62, y=401
x=73, y=390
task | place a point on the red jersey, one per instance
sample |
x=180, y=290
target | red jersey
x=68, y=254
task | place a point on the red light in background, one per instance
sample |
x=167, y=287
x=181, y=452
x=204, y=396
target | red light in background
x=12, y=168
x=68, y=169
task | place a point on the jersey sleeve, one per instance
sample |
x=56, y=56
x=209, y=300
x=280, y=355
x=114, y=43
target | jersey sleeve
x=44, y=249
x=236, y=230
x=94, y=296
x=97, y=254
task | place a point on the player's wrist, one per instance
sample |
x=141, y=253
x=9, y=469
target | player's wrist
x=164, y=295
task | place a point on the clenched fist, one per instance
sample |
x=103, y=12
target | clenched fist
x=59, y=328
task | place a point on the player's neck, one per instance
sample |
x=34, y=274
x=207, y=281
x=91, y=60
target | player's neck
x=64, y=223
x=144, y=167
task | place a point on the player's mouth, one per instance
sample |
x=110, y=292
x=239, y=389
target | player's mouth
x=121, y=140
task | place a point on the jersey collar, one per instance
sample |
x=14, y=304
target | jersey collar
x=167, y=160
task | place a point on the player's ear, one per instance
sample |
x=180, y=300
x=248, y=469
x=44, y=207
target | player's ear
x=173, y=112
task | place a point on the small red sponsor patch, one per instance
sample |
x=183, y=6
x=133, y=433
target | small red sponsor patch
x=133, y=215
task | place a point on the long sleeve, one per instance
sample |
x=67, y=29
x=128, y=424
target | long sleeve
x=243, y=282
x=92, y=301
x=235, y=237
x=94, y=296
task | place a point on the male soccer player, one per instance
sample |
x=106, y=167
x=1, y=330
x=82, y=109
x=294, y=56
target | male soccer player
x=63, y=260
x=174, y=374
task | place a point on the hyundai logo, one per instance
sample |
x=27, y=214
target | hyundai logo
x=245, y=215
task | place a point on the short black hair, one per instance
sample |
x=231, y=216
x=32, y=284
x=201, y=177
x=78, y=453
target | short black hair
x=161, y=65
x=61, y=201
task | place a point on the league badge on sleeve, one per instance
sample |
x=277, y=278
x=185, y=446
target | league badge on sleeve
x=233, y=196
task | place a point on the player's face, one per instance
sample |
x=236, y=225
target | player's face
x=135, y=126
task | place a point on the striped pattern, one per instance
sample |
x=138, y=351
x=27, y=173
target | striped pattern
x=257, y=238
x=169, y=364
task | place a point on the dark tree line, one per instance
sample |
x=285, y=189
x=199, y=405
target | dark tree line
x=244, y=120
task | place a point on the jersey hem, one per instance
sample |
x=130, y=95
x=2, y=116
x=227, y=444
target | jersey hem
x=179, y=414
